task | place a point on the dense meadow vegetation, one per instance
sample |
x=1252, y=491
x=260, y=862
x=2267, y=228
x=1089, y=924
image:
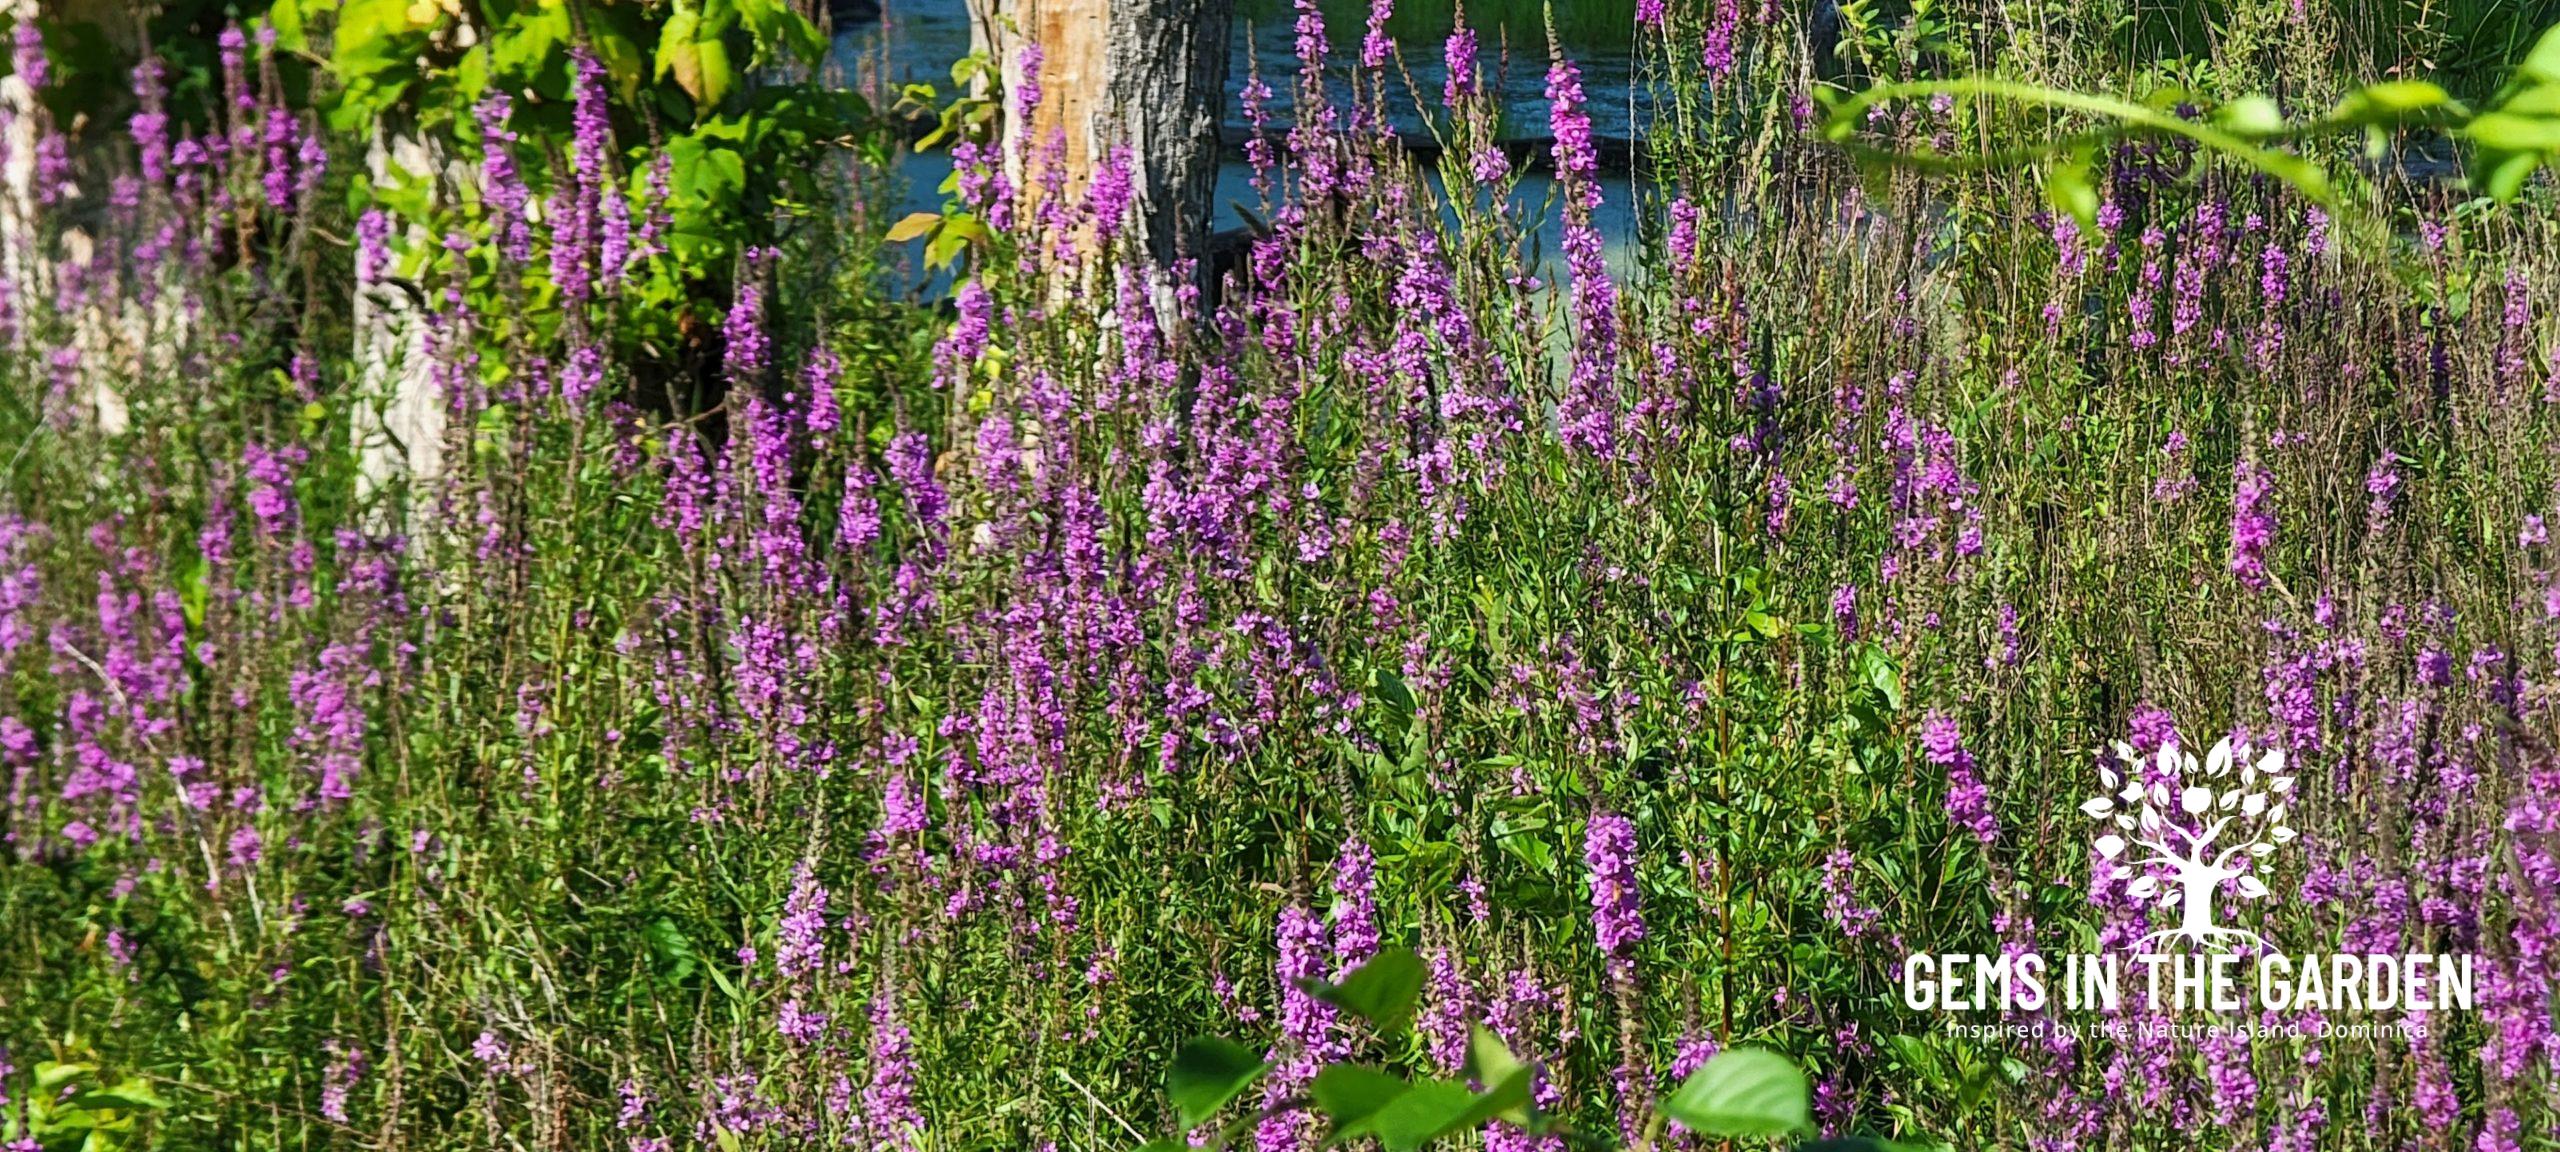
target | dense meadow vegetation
x=788, y=715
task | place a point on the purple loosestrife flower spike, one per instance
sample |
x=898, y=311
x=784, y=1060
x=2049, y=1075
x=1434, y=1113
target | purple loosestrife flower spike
x=1586, y=416
x=373, y=245
x=1459, y=56
x=1376, y=45
x=890, y=1118
x=27, y=55
x=1355, y=918
x=1617, y=915
x=1968, y=800
x=2253, y=521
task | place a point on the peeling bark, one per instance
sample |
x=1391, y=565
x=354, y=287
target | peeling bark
x=1149, y=75
x=399, y=416
x=113, y=334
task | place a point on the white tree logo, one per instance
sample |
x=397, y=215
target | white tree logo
x=2179, y=820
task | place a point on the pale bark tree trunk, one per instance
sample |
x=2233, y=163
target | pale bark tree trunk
x=18, y=168
x=111, y=333
x=399, y=415
x=1149, y=75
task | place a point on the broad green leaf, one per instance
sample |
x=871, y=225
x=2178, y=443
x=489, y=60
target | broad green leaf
x=2251, y=115
x=2501, y=175
x=1422, y=1113
x=914, y=225
x=1877, y=669
x=1350, y=1093
x=944, y=248
x=2509, y=132
x=129, y=1095
x=51, y=1076
x=1508, y=1099
x=2067, y=188
x=716, y=74
x=2390, y=102
x=1208, y=1072
x=1489, y=1061
x=1428, y=1110
x=778, y=28
x=676, y=40
x=1381, y=991
x=1743, y=1092
x=535, y=38
x=2539, y=100
x=2543, y=63
x=290, y=22
x=691, y=49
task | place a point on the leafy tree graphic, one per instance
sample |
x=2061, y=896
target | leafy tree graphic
x=2199, y=823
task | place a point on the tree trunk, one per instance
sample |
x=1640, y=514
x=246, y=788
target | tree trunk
x=112, y=334
x=1149, y=75
x=399, y=414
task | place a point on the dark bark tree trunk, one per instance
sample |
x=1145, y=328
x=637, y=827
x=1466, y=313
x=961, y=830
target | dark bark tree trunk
x=1149, y=75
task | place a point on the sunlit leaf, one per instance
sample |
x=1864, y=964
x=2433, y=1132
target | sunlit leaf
x=1743, y=1092
x=1208, y=1072
x=1381, y=991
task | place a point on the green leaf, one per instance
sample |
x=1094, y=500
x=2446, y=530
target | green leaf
x=2539, y=100
x=1427, y=1110
x=690, y=48
x=2251, y=115
x=129, y=1095
x=672, y=947
x=2285, y=166
x=1877, y=669
x=1509, y=1099
x=193, y=591
x=287, y=18
x=2543, y=63
x=536, y=38
x=1350, y=1093
x=1420, y=1114
x=2509, y=132
x=2501, y=175
x=471, y=73
x=1743, y=1092
x=778, y=28
x=676, y=39
x=944, y=248
x=710, y=175
x=1489, y=1061
x=51, y=1076
x=1381, y=991
x=915, y=224
x=615, y=32
x=1208, y=1072
x=2067, y=188
x=2390, y=102
x=728, y=987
